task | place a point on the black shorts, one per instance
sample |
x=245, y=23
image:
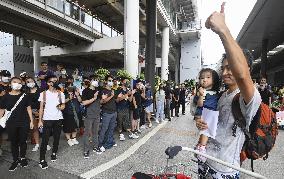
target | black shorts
x=136, y=114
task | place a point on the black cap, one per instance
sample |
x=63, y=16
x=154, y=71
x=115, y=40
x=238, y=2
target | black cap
x=5, y=73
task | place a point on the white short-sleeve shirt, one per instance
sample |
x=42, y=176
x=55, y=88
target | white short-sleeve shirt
x=225, y=146
x=51, y=112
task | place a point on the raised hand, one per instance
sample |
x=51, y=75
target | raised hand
x=216, y=21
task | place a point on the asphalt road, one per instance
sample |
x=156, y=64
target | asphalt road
x=146, y=154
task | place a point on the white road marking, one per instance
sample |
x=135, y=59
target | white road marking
x=122, y=157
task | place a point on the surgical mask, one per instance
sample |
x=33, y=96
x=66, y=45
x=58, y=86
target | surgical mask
x=5, y=79
x=63, y=72
x=110, y=83
x=30, y=85
x=95, y=83
x=16, y=86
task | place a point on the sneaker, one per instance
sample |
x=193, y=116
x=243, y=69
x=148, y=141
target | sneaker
x=98, y=150
x=143, y=127
x=75, y=141
x=86, y=155
x=48, y=147
x=121, y=137
x=24, y=162
x=150, y=125
x=43, y=164
x=133, y=136
x=14, y=166
x=201, y=149
x=70, y=142
x=36, y=147
x=115, y=145
x=138, y=131
x=102, y=149
x=157, y=121
x=53, y=157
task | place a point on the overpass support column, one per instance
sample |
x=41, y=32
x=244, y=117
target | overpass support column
x=131, y=36
x=264, y=58
x=165, y=53
x=37, y=58
x=150, y=59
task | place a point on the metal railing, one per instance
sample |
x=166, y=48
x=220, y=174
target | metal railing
x=81, y=15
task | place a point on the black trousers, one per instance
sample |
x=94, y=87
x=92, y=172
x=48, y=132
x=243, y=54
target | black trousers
x=182, y=103
x=142, y=116
x=18, y=138
x=175, y=106
x=50, y=125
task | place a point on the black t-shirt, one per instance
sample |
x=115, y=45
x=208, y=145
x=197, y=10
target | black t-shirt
x=19, y=116
x=110, y=106
x=176, y=93
x=35, y=104
x=182, y=94
x=93, y=109
x=123, y=104
x=6, y=88
x=138, y=98
x=265, y=95
x=168, y=92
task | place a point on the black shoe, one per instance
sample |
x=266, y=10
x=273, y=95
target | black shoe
x=170, y=119
x=14, y=166
x=86, y=155
x=53, y=157
x=97, y=150
x=183, y=113
x=177, y=115
x=24, y=162
x=43, y=164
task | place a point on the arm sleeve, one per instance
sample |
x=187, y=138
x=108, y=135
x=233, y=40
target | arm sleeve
x=249, y=110
x=62, y=97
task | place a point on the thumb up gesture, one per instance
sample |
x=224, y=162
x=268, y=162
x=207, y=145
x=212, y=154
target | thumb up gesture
x=216, y=21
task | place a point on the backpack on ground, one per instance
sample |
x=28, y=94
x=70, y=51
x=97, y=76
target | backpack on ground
x=261, y=136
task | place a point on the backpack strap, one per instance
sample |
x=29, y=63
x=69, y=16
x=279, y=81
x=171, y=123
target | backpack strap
x=239, y=118
x=59, y=97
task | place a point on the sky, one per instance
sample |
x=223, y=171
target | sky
x=236, y=13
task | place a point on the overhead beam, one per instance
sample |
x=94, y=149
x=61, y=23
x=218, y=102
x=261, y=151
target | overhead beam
x=98, y=46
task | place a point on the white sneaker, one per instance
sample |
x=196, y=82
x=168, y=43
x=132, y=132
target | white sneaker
x=48, y=147
x=36, y=147
x=157, y=121
x=115, y=145
x=150, y=124
x=103, y=149
x=70, y=142
x=121, y=137
x=133, y=136
x=143, y=127
x=75, y=141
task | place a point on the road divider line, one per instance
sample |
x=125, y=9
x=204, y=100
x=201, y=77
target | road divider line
x=123, y=156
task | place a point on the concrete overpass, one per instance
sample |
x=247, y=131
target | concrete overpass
x=263, y=34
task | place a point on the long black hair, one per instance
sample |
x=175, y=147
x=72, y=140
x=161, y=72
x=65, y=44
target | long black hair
x=215, y=78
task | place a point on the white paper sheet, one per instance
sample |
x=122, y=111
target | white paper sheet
x=211, y=118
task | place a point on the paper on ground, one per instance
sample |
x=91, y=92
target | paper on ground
x=211, y=118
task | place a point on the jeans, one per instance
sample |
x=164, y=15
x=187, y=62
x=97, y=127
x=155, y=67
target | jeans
x=106, y=138
x=50, y=125
x=160, y=110
x=18, y=138
x=91, y=130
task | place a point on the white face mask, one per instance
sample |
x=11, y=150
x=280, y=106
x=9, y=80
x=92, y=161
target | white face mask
x=30, y=85
x=95, y=83
x=63, y=72
x=16, y=86
x=110, y=84
x=5, y=79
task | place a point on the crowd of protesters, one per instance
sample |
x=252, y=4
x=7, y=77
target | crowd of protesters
x=86, y=107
